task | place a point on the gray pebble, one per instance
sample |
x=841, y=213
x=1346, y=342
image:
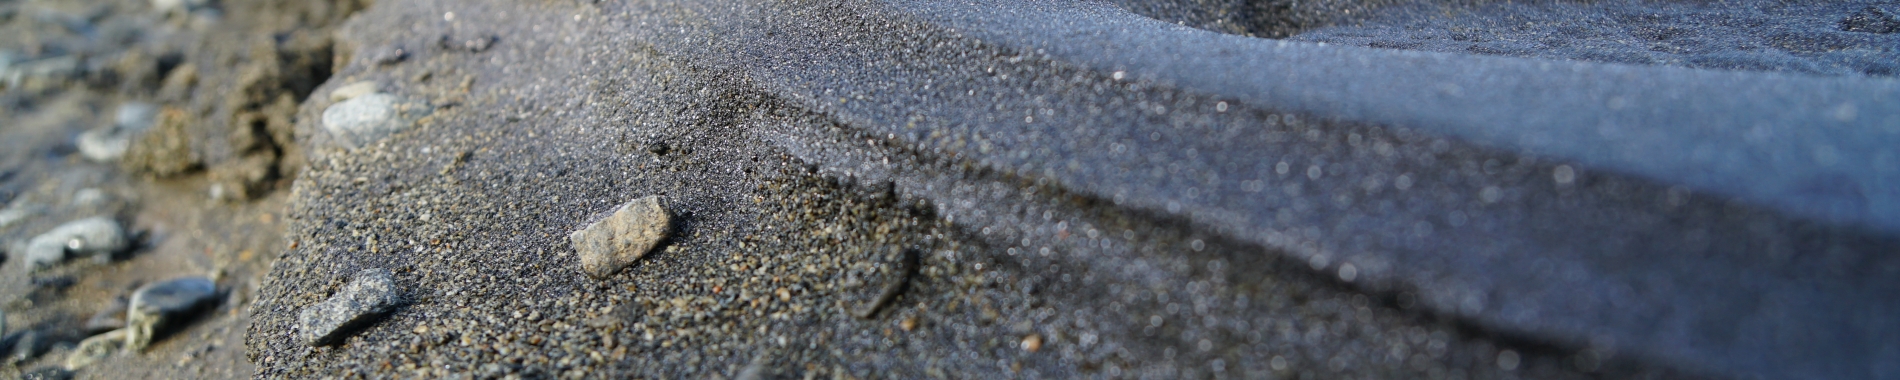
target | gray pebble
x=98, y=237
x=622, y=237
x=365, y=119
x=370, y=295
x=161, y=305
x=103, y=144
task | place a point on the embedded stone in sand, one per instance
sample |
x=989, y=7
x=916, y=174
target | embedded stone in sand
x=368, y=296
x=622, y=237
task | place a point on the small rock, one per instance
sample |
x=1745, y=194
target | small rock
x=353, y=90
x=112, y=318
x=162, y=305
x=626, y=235
x=1032, y=343
x=365, y=119
x=103, y=144
x=370, y=295
x=98, y=237
x=96, y=348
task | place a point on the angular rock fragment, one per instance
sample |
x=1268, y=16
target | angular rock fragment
x=622, y=237
x=96, y=348
x=98, y=237
x=162, y=305
x=365, y=119
x=370, y=295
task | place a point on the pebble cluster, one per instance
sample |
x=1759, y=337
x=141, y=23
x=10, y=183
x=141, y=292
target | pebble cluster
x=139, y=144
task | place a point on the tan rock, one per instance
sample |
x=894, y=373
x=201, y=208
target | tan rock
x=618, y=240
x=353, y=90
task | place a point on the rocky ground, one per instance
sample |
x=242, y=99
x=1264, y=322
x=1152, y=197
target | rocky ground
x=171, y=121
x=347, y=189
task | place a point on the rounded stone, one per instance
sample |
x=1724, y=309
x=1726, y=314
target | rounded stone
x=90, y=237
x=365, y=119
